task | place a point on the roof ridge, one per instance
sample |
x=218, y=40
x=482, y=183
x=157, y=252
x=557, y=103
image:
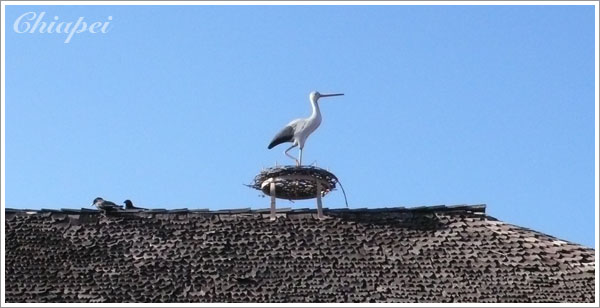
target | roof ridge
x=479, y=208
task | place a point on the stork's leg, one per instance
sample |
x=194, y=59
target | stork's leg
x=290, y=156
x=300, y=163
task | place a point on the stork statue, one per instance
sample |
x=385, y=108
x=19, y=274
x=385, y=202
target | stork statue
x=298, y=130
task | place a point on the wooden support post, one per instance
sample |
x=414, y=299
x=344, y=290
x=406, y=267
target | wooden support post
x=319, y=203
x=272, y=193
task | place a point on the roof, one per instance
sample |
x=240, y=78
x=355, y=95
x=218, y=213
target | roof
x=426, y=254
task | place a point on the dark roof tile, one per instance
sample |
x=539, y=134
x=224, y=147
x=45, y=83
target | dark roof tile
x=425, y=254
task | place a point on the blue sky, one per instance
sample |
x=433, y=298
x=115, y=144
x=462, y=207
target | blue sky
x=174, y=107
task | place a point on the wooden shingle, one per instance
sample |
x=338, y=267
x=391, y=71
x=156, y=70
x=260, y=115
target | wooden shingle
x=435, y=254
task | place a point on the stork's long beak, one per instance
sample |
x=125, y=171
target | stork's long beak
x=337, y=94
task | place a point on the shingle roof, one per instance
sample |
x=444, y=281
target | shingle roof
x=428, y=254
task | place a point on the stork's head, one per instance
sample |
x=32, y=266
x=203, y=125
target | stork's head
x=314, y=95
x=97, y=200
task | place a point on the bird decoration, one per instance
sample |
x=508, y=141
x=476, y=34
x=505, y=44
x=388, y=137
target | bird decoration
x=104, y=205
x=129, y=205
x=298, y=130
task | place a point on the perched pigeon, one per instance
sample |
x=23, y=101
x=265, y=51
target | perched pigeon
x=102, y=204
x=129, y=205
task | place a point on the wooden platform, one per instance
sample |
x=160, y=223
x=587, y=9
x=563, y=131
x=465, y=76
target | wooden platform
x=295, y=183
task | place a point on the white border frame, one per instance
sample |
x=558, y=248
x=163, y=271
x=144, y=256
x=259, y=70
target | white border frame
x=2, y=135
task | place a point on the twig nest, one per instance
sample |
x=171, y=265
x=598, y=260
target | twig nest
x=295, y=183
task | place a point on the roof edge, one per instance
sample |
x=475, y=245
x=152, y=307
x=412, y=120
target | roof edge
x=476, y=208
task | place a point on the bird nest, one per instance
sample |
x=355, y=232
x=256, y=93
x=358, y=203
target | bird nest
x=295, y=183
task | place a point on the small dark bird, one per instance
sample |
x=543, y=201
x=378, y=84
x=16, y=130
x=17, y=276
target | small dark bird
x=129, y=205
x=104, y=205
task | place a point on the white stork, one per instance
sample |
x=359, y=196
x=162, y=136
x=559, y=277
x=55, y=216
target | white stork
x=298, y=130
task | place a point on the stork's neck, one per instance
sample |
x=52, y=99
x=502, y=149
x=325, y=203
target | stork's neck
x=316, y=112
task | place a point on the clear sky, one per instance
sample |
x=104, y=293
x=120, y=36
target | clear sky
x=175, y=106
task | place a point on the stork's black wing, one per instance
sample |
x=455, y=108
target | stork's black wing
x=285, y=135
